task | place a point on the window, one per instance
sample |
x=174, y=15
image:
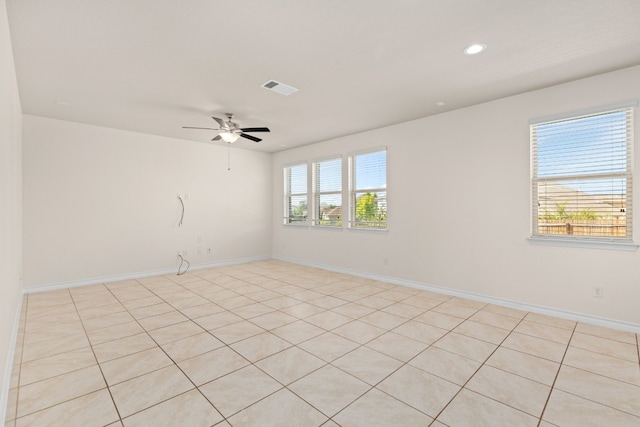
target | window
x=581, y=176
x=328, y=192
x=368, y=190
x=295, y=194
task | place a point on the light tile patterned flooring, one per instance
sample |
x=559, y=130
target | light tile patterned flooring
x=275, y=344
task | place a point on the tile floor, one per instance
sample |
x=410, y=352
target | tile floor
x=275, y=344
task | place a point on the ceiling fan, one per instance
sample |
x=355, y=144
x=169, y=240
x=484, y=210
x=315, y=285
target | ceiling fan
x=230, y=131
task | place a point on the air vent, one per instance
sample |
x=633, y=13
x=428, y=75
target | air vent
x=281, y=88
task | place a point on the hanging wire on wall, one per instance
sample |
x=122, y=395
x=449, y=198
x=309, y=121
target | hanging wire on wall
x=182, y=211
x=182, y=260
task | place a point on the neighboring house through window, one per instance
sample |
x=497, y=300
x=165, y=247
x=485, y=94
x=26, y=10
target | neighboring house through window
x=327, y=191
x=581, y=176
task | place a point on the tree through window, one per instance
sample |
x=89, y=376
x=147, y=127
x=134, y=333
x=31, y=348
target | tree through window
x=369, y=190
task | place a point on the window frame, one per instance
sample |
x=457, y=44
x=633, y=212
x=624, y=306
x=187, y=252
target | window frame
x=352, y=222
x=614, y=242
x=316, y=221
x=288, y=195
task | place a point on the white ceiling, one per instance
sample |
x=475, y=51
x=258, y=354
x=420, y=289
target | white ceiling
x=154, y=66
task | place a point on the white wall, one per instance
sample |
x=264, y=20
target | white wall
x=459, y=208
x=10, y=202
x=101, y=202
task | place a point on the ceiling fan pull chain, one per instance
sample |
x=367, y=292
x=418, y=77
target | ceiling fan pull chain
x=228, y=156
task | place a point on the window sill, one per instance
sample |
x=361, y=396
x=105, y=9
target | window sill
x=577, y=242
x=370, y=230
x=327, y=227
x=296, y=224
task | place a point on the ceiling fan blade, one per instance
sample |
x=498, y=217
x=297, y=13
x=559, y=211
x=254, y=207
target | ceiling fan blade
x=255, y=129
x=191, y=127
x=251, y=137
x=220, y=121
x=217, y=138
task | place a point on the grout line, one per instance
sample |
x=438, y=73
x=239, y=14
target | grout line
x=257, y=367
x=397, y=369
x=476, y=371
x=225, y=345
x=614, y=380
x=75, y=370
x=96, y=358
x=553, y=385
x=638, y=347
x=22, y=330
x=168, y=356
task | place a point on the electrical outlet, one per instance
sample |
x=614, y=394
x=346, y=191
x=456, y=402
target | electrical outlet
x=598, y=291
x=385, y=261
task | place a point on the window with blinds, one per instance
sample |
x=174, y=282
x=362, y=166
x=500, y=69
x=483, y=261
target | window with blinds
x=295, y=194
x=581, y=176
x=327, y=191
x=368, y=192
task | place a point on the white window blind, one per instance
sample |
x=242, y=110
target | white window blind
x=368, y=190
x=581, y=175
x=295, y=194
x=328, y=192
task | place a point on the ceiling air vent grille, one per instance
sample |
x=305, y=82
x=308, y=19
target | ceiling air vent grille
x=281, y=88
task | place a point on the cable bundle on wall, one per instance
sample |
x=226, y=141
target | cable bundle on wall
x=182, y=262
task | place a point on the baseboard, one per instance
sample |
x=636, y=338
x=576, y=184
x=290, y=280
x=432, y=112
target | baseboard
x=585, y=318
x=6, y=383
x=138, y=275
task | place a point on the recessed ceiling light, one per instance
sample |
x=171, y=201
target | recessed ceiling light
x=475, y=49
x=62, y=102
x=440, y=104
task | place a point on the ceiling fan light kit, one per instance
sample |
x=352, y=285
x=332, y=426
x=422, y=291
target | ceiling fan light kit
x=229, y=137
